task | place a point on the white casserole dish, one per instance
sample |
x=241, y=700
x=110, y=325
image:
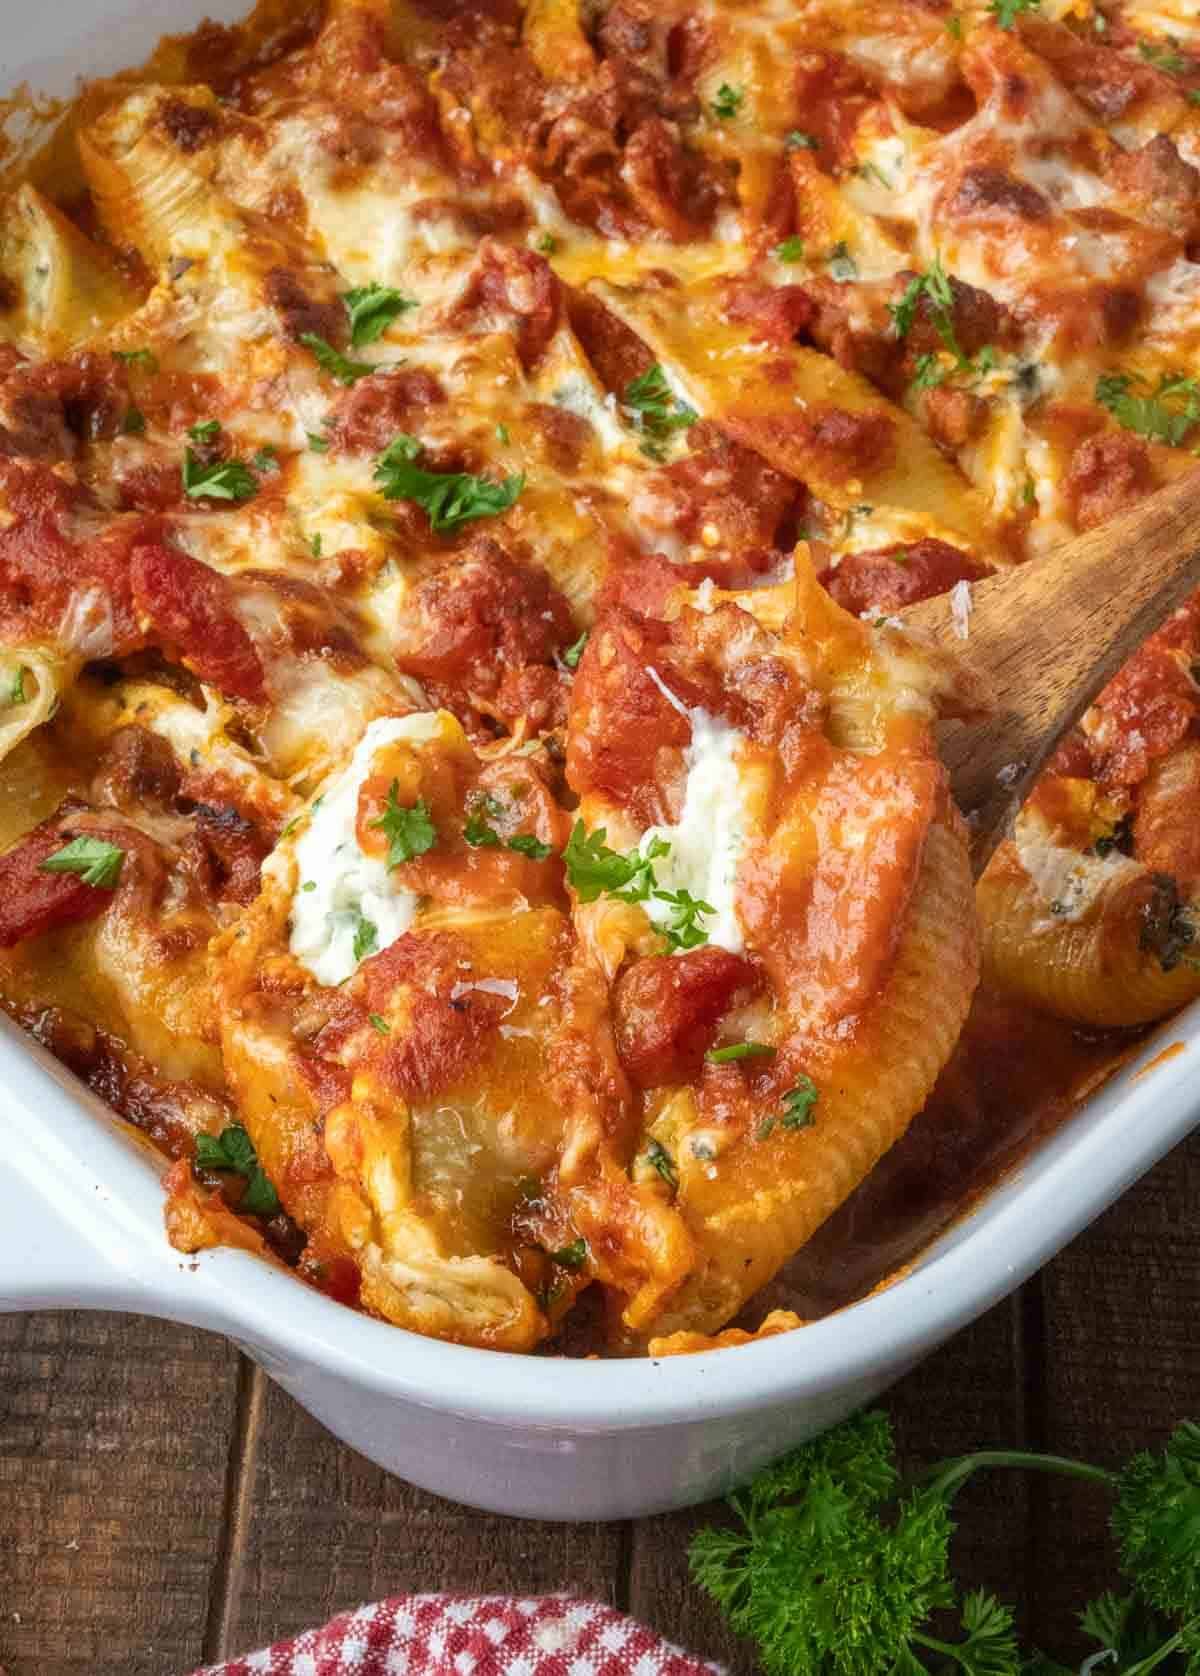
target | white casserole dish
x=81, y=1213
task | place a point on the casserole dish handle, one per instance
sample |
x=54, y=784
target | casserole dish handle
x=80, y=1199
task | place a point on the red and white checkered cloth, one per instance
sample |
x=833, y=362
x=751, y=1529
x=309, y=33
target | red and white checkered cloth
x=490, y=1635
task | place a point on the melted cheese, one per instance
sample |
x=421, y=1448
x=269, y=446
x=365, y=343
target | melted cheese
x=340, y=888
x=709, y=839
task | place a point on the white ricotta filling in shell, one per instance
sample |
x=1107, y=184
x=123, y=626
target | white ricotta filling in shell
x=339, y=886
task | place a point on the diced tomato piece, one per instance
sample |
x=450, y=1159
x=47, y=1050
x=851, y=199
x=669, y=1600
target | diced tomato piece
x=667, y=1010
x=189, y=607
x=32, y=901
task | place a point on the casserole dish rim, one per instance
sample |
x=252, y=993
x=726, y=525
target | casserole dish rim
x=99, y=1181
x=97, y=1191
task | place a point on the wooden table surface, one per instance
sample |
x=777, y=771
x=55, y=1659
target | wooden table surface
x=162, y=1503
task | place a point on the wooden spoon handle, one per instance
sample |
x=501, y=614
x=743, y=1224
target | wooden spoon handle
x=1047, y=636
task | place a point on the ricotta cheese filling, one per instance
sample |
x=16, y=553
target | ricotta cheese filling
x=1068, y=882
x=707, y=843
x=341, y=890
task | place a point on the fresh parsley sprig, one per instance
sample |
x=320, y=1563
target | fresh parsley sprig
x=409, y=829
x=656, y=410
x=1165, y=413
x=449, y=498
x=95, y=860
x=836, y=1568
x=371, y=309
x=233, y=1150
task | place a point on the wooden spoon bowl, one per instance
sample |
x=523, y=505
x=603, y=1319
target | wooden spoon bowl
x=1045, y=638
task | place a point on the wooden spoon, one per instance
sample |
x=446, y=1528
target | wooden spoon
x=1045, y=638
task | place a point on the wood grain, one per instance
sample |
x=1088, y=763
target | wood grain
x=114, y=1435
x=1044, y=639
x=326, y=1530
x=1122, y=1368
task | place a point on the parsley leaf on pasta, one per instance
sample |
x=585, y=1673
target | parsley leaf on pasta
x=728, y=102
x=1163, y=414
x=449, y=498
x=95, y=860
x=366, y=936
x=1006, y=12
x=233, y=1150
x=332, y=361
x=371, y=310
x=593, y=869
x=684, y=930
x=655, y=408
x=739, y=1050
x=798, y=1104
x=218, y=479
x=408, y=830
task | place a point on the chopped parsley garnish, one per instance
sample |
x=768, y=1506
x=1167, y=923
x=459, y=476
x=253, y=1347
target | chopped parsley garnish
x=1164, y=414
x=872, y=171
x=366, y=937
x=206, y=430
x=371, y=310
x=547, y=244
x=684, y=930
x=477, y=832
x=378, y=1022
x=798, y=1104
x=134, y=422
x=739, y=1050
x=790, y=250
x=502, y=434
x=222, y=480
x=525, y=843
x=449, y=498
x=572, y=1256
x=594, y=870
x=798, y=140
x=482, y=836
x=233, y=1150
x=660, y=1159
x=309, y=884
x=317, y=444
x=95, y=860
x=574, y=651
x=1006, y=12
x=16, y=688
x=339, y=367
x=265, y=459
x=728, y=102
x=842, y=266
x=934, y=285
x=657, y=412
x=409, y=831
x=145, y=359
x=1167, y=58
x=954, y=27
